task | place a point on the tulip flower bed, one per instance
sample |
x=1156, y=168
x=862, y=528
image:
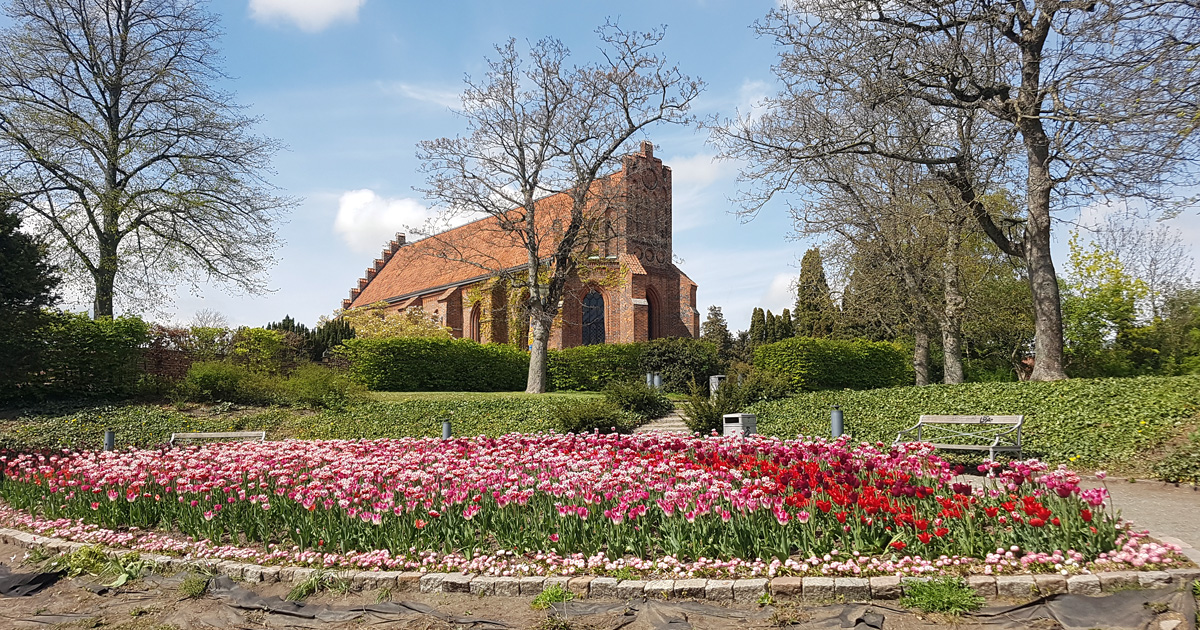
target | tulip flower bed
x=547, y=503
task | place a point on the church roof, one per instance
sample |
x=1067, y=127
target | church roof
x=460, y=256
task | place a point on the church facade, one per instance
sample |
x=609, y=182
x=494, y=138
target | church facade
x=627, y=288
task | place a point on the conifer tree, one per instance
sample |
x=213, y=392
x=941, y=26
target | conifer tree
x=815, y=313
x=27, y=284
x=770, y=334
x=783, y=328
x=758, y=327
x=716, y=331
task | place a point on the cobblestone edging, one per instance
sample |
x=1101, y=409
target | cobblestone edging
x=744, y=590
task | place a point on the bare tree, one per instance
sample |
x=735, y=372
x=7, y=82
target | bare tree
x=1099, y=96
x=115, y=143
x=1154, y=253
x=538, y=127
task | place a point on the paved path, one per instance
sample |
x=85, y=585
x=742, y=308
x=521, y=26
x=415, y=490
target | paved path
x=670, y=423
x=1168, y=511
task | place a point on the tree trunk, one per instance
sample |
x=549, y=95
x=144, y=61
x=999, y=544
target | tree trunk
x=104, y=276
x=950, y=322
x=1043, y=281
x=539, y=342
x=952, y=353
x=921, y=357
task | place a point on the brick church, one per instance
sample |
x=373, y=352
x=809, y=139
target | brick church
x=627, y=288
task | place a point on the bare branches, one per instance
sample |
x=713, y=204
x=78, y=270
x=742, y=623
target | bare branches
x=537, y=127
x=117, y=141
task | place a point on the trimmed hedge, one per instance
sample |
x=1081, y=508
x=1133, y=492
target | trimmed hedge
x=814, y=364
x=591, y=368
x=417, y=364
x=75, y=356
x=1100, y=421
x=681, y=361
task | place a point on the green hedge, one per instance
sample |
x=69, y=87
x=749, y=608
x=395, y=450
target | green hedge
x=591, y=368
x=436, y=365
x=1101, y=421
x=814, y=364
x=681, y=361
x=78, y=357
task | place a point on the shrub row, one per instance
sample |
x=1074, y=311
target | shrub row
x=682, y=363
x=813, y=364
x=72, y=355
x=1102, y=421
x=418, y=364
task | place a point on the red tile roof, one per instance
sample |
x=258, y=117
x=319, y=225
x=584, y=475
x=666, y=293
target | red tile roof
x=463, y=254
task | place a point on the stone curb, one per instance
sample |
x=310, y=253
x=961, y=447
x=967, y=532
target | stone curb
x=743, y=590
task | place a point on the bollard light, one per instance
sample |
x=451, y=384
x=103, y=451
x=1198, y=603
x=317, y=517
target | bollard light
x=110, y=439
x=836, y=423
x=445, y=429
x=657, y=380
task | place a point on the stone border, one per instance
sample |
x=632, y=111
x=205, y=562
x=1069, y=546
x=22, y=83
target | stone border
x=743, y=590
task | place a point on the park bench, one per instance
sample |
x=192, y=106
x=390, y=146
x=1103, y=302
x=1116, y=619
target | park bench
x=964, y=433
x=220, y=435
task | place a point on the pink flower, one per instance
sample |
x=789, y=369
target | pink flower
x=1101, y=474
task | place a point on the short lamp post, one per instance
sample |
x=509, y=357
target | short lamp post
x=110, y=439
x=445, y=429
x=837, y=424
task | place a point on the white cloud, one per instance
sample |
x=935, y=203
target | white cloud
x=435, y=96
x=691, y=178
x=751, y=96
x=309, y=15
x=780, y=294
x=367, y=221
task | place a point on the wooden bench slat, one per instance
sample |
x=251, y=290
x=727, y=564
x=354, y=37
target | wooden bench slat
x=972, y=419
x=221, y=434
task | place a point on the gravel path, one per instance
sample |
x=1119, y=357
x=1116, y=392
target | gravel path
x=1168, y=511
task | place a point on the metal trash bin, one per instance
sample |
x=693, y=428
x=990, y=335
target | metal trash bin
x=740, y=424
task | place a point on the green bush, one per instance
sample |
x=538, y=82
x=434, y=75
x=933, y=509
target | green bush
x=78, y=357
x=683, y=362
x=1102, y=421
x=704, y=414
x=416, y=364
x=594, y=415
x=591, y=368
x=814, y=364
x=639, y=398
x=318, y=386
x=222, y=381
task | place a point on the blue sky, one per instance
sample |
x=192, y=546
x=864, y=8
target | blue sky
x=350, y=86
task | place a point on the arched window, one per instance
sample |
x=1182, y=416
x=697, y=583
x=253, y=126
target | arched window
x=474, y=326
x=593, y=318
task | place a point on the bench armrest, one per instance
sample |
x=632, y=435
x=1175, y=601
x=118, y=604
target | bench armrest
x=906, y=431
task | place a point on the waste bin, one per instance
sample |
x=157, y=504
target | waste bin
x=740, y=424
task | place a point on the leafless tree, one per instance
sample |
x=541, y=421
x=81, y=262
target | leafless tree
x=1154, y=253
x=538, y=126
x=1100, y=97
x=116, y=144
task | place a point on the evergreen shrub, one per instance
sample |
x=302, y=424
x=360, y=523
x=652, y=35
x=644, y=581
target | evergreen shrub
x=814, y=364
x=639, y=398
x=1098, y=422
x=422, y=364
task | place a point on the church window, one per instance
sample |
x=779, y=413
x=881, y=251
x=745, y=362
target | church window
x=475, y=331
x=652, y=314
x=593, y=318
